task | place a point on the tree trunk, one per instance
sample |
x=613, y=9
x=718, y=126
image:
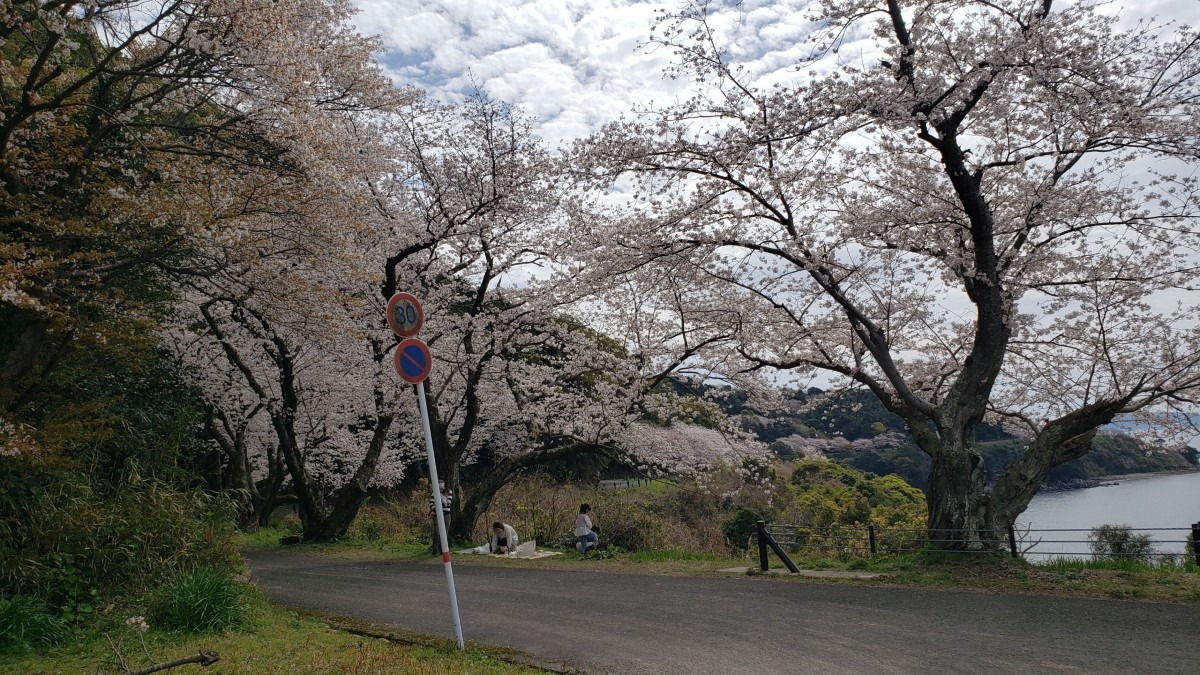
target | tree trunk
x=349, y=499
x=1018, y=484
x=964, y=515
x=269, y=491
x=23, y=334
x=346, y=504
x=959, y=513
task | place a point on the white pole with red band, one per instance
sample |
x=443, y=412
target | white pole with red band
x=413, y=361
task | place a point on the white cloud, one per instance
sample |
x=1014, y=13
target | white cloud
x=576, y=64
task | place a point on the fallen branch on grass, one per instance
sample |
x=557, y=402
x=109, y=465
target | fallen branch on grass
x=203, y=658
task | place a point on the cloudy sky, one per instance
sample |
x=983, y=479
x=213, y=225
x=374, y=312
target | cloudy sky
x=575, y=64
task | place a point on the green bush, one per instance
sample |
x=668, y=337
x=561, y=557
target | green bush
x=27, y=623
x=68, y=587
x=630, y=527
x=1109, y=542
x=367, y=526
x=538, y=507
x=813, y=472
x=739, y=528
x=70, y=543
x=289, y=523
x=207, y=599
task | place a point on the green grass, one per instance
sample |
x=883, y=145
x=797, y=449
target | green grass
x=207, y=599
x=27, y=624
x=1128, y=580
x=1121, y=564
x=277, y=641
x=809, y=562
x=264, y=537
x=385, y=547
x=671, y=554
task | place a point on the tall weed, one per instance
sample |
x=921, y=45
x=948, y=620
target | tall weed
x=69, y=542
x=207, y=599
x=376, y=522
x=28, y=624
x=539, y=508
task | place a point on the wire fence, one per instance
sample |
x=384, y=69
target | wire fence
x=1153, y=544
x=1164, y=543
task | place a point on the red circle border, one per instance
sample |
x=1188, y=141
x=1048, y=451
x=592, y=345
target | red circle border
x=395, y=300
x=404, y=344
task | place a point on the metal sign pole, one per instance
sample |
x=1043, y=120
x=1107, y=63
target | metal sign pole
x=441, y=519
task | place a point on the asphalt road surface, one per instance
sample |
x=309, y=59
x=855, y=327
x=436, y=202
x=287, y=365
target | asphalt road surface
x=624, y=623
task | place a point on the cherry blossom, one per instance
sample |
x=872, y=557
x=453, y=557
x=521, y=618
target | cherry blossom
x=974, y=209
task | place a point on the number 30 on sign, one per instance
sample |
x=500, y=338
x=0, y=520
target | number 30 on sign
x=405, y=315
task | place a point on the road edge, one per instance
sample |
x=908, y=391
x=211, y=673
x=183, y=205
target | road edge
x=396, y=635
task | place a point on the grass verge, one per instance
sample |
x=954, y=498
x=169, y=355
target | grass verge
x=279, y=640
x=1073, y=578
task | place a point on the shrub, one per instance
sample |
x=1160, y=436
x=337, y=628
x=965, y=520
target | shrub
x=410, y=515
x=1119, y=541
x=811, y=473
x=27, y=623
x=375, y=522
x=288, y=522
x=68, y=542
x=633, y=527
x=207, y=599
x=891, y=490
x=68, y=587
x=539, y=509
x=899, y=529
x=739, y=528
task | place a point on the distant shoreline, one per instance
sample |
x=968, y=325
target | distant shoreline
x=1151, y=474
x=1106, y=481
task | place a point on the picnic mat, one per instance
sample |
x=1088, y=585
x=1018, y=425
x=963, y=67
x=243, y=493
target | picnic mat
x=526, y=551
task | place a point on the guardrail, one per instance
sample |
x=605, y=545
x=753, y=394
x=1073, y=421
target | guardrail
x=870, y=541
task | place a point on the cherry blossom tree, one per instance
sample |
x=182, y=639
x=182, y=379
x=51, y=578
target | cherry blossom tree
x=514, y=383
x=278, y=314
x=130, y=131
x=281, y=333
x=531, y=363
x=293, y=413
x=974, y=209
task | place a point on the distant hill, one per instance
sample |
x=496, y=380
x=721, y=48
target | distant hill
x=852, y=427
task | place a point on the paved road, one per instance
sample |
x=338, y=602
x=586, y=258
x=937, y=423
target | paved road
x=621, y=623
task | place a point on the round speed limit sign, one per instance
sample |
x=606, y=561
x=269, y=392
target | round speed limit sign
x=404, y=314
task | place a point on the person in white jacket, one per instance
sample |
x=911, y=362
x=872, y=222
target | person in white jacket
x=585, y=532
x=504, y=538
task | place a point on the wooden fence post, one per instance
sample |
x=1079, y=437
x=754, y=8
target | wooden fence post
x=762, y=545
x=1196, y=541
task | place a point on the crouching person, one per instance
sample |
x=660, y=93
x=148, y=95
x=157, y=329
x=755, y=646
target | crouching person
x=504, y=538
x=585, y=531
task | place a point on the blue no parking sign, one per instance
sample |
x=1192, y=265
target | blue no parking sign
x=413, y=360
